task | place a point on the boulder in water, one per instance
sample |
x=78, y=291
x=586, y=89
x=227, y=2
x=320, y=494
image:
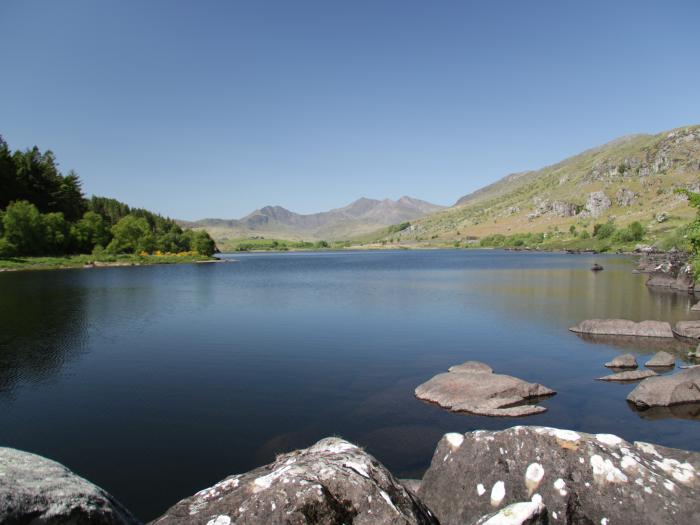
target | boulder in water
x=629, y=375
x=623, y=361
x=623, y=327
x=473, y=387
x=680, y=388
x=661, y=360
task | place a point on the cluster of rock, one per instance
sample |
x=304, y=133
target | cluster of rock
x=667, y=269
x=523, y=475
x=473, y=387
x=628, y=364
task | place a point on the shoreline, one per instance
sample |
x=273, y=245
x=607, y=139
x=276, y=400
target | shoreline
x=89, y=262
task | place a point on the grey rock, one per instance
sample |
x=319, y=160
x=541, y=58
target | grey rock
x=623, y=361
x=629, y=375
x=581, y=478
x=521, y=513
x=687, y=329
x=597, y=203
x=563, y=209
x=623, y=327
x=680, y=388
x=625, y=197
x=330, y=483
x=696, y=307
x=473, y=387
x=36, y=490
x=662, y=360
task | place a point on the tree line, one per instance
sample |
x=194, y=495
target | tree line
x=44, y=212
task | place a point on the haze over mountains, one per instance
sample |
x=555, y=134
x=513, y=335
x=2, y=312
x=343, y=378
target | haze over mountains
x=357, y=218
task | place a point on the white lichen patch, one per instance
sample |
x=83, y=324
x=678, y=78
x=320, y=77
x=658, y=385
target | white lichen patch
x=357, y=467
x=604, y=521
x=648, y=448
x=534, y=472
x=629, y=463
x=536, y=498
x=682, y=472
x=609, y=439
x=603, y=469
x=338, y=447
x=454, y=439
x=223, y=519
x=388, y=500
x=515, y=514
x=560, y=485
x=480, y=490
x=498, y=492
x=264, y=482
x=668, y=485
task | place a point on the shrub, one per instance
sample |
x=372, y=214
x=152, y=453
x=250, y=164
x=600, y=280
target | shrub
x=603, y=231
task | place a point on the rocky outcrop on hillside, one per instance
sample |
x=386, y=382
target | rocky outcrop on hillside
x=625, y=197
x=37, y=490
x=580, y=478
x=519, y=476
x=597, y=203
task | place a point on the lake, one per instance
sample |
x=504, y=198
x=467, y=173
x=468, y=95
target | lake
x=155, y=382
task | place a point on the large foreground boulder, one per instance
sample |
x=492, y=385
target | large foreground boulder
x=581, y=478
x=522, y=513
x=623, y=327
x=473, y=387
x=37, y=490
x=677, y=389
x=330, y=483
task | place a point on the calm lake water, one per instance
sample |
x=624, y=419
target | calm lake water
x=155, y=382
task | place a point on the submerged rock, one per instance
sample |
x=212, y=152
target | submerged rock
x=581, y=478
x=34, y=489
x=473, y=387
x=630, y=375
x=687, y=329
x=596, y=268
x=623, y=327
x=329, y=483
x=661, y=360
x=623, y=361
x=676, y=389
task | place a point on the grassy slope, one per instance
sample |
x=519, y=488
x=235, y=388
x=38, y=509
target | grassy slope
x=671, y=158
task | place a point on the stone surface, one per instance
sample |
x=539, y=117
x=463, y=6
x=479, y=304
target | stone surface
x=625, y=197
x=581, y=478
x=36, y=490
x=623, y=361
x=521, y=513
x=623, y=327
x=597, y=203
x=696, y=307
x=330, y=483
x=687, y=329
x=473, y=387
x=680, y=388
x=662, y=360
x=629, y=375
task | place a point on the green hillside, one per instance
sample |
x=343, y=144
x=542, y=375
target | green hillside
x=631, y=179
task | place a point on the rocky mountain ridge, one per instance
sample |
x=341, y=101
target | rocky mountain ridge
x=361, y=216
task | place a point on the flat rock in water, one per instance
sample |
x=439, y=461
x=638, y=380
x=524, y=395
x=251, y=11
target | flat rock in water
x=623, y=361
x=687, y=329
x=696, y=307
x=623, y=327
x=662, y=360
x=34, y=489
x=580, y=478
x=473, y=387
x=682, y=387
x=629, y=375
x=329, y=483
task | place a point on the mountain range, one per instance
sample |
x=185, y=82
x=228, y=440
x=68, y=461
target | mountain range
x=360, y=217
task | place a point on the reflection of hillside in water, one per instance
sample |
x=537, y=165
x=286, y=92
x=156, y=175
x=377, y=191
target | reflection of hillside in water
x=42, y=325
x=686, y=411
x=565, y=296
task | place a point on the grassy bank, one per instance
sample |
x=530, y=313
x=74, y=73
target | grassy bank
x=97, y=261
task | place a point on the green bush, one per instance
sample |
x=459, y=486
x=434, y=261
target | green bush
x=603, y=231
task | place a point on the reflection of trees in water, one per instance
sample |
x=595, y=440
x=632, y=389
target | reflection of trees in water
x=42, y=325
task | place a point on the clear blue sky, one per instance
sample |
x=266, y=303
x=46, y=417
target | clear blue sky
x=202, y=108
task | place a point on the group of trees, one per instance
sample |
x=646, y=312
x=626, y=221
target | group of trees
x=43, y=212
